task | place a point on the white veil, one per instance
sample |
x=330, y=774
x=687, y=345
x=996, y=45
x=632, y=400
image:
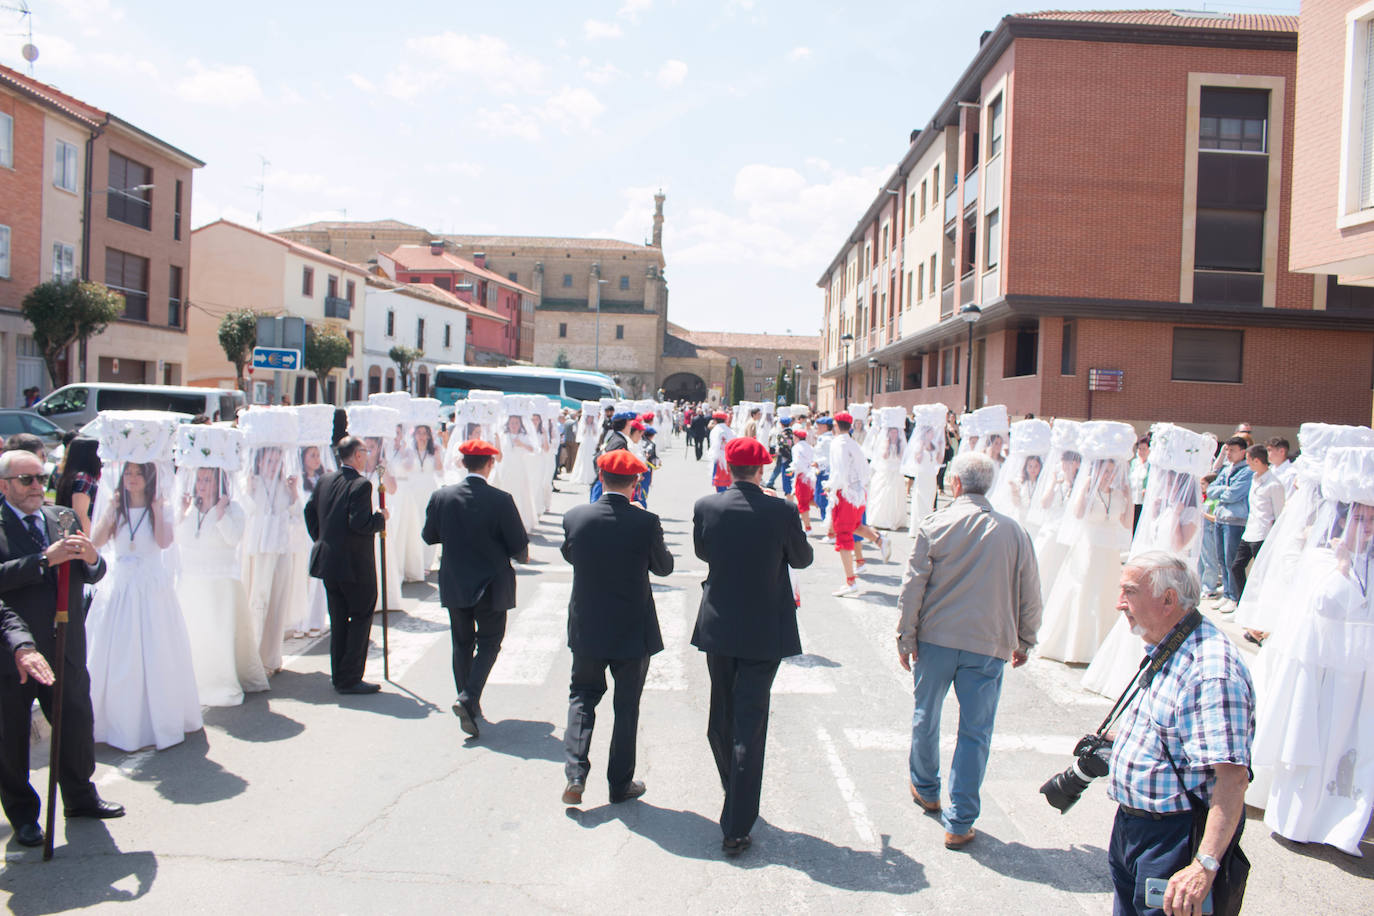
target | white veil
x=925, y=447
x=1100, y=507
x=1056, y=482
x=1171, y=517
x=1020, y=476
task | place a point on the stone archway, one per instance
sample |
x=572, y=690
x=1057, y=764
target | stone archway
x=684, y=386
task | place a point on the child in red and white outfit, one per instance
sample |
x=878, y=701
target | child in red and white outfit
x=804, y=476
x=848, y=486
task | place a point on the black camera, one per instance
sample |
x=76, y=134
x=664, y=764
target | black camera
x=1093, y=757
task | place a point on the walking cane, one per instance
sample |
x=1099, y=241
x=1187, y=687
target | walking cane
x=381, y=502
x=66, y=521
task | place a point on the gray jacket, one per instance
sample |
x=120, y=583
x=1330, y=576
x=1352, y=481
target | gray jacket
x=971, y=583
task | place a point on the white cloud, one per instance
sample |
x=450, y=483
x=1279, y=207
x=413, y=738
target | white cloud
x=572, y=108
x=302, y=182
x=605, y=73
x=594, y=29
x=631, y=9
x=361, y=82
x=508, y=121
x=483, y=59
x=223, y=84
x=289, y=96
x=801, y=52
x=672, y=73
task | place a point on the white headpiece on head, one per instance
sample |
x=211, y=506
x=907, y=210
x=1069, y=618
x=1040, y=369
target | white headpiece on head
x=202, y=446
x=396, y=400
x=422, y=412
x=1030, y=436
x=371, y=421
x=315, y=423
x=1174, y=448
x=269, y=426
x=139, y=436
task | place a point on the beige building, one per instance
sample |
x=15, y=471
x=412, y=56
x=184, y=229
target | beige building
x=236, y=267
x=698, y=365
x=358, y=242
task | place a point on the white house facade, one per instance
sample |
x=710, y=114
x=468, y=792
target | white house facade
x=412, y=315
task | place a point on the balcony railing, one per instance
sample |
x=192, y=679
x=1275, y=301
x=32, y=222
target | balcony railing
x=966, y=285
x=337, y=307
x=947, y=301
x=971, y=189
x=951, y=205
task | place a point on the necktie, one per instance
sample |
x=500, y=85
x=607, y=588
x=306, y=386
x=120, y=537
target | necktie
x=36, y=532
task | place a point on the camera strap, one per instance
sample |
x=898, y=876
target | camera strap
x=1151, y=665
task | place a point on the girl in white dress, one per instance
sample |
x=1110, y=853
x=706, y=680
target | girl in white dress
x=925, y=452
x=424, y=480
x=376, y=426
x=276, y=580
x=1053, y=489
x=1315, y=720
x=588, y=428
x=477, y=417
x=1015, y=488
x=1171, y=520
x=518, y=461
x=887, y=497
x=143, y=683
x=315, y=432
x=1097, y=528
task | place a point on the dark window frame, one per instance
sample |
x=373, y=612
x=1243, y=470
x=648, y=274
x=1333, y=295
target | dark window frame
x=118, y=278
x=1202, y=364
x=133, y=208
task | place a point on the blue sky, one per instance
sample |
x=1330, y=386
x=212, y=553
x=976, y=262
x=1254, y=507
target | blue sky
x=768, y=124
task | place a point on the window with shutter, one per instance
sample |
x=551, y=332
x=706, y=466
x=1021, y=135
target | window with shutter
x=1367, y=135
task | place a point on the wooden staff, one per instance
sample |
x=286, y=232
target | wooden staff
x=386, y=648
x=64, y=582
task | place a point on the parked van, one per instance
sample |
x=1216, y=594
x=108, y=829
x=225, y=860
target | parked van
x=73, y=406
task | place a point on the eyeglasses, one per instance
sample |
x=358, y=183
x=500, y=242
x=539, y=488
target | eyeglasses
x=27, y=480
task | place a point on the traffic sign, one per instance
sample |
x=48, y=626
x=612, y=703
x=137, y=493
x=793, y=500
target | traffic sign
x=276, y=358
x=1106, y=379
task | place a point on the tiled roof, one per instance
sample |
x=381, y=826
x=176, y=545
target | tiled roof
x=718, y=339
x=496, y=242
x=304, y=251
x=420, y=257
x=429, y=290
x=1189, y=19
x=325, y=225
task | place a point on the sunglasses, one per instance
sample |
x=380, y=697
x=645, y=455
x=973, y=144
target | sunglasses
x=27, y=480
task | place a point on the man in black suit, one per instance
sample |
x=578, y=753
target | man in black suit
x=697, y=430
x=612, y=545
x=341, y=522
x=31, y=549
x=747, y=623
x=481, y=532
x=614, y=440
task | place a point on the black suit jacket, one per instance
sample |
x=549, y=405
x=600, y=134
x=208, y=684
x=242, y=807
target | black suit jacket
x=481, y=532
x=698, y=427
x=613, y=545
x=29, y=593
x=343, y=526
x=748, y=540
x=615, y=441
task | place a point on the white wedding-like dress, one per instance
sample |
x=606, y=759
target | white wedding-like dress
x=887, y=499
x=143, y=682
x=1082, y=602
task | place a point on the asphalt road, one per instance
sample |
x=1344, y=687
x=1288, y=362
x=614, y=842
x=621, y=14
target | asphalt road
x=302, y=801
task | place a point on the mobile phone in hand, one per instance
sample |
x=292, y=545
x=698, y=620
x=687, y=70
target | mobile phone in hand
x=1154, y=895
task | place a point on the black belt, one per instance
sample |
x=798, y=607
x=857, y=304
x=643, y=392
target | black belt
x=1152, y=815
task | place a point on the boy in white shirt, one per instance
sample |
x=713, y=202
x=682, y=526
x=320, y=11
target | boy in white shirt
x=1266, y=502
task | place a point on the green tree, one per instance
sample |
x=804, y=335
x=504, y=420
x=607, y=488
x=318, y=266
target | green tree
x=238, y=333
x=404, y=357
x=325, y=350
x=63, y=313
x=782, y=390
x=737, y=385
x=561, y=361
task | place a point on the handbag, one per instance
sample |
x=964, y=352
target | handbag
x=1228, y=886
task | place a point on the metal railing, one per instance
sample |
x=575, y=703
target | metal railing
x=947, y=301
x=337, y=307
x=966, y=287
x=971, y=188
x=951, y=204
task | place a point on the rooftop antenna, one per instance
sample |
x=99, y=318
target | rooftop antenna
x=261, y=187
x=29, y=50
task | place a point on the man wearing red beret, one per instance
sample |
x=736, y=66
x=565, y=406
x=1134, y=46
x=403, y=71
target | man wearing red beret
x=848, y=485
x=612, y=545
x=481, y=532
x=747, y=623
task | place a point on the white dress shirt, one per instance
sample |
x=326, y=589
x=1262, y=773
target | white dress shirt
x=1266, y=502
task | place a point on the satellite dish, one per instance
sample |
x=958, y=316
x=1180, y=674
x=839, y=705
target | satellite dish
x=30, y=52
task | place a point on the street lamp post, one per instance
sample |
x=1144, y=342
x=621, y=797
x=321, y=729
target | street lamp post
x=970, y=313
x=872, y=377
x=599, y=284
x=845, y=340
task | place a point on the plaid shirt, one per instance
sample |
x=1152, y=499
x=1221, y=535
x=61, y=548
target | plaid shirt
x=1203, y=705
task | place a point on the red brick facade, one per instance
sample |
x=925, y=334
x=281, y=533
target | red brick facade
x=21, y=200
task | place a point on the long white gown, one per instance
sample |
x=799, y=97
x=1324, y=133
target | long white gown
x=887, y=494
x=1050, y=552
x=418, y=557
x=515, y=473
x=143, y=681
x=275, y=569
x=1082, y=603
x=215, y=606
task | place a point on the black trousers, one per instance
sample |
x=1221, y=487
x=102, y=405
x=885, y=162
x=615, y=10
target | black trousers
x=20, y=801
x=477, y=632
x=1246, y=552
x=350, y=625
x=737, y=729
x=697, y=444
x=587, y=688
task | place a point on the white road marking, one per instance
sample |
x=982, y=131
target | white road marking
x=801, y=673
x=858, y=814
x=867, y=739
x=1062, y=684
x=535, y=637
x=124, y=768
x=668, y=669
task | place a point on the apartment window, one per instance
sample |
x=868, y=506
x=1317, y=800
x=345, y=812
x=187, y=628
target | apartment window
x=441, y=282
x=758, y=387
x=176, y=212
x=994, y=241
x=882, y=252
x=923, y=200
x=937, y=193
x=448, y=336
x=390, y=322
x=947, y=369
x=64, y=165
x=920, y=282
x=332, y=287
x=567, y=281
x=128, y=274
x=1207, y=355
x=6, y=141
x=1021, y=352
x=910, y=283
x=1233, y=120
x=1357, y=119
x=1068, y=349
x=1233, y=191
x=415, y=279
x=307, y=281
x=620, y=332
x=995, y=126
x=420, y=333
x=350, y=290
x=513, y=277
x=4, y=252
x=624, y=282
x=174, y=297
x=63, y=262
x=129, y=198
x=562, y=329
x=931, y=275
x=911, y=206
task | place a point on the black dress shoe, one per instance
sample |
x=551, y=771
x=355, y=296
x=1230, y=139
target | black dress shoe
x=359, y=688
x=572, y=795
x=467, y=720
x=99, y=808
x=733, y=846
x=631, y=791
x=29, y=835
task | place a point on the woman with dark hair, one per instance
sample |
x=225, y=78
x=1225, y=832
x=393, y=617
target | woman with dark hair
x=80, y=479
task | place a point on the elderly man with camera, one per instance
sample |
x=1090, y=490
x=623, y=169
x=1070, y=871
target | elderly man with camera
x=970, y=601
x=1179, y=753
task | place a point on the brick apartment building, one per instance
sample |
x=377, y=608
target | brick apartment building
x=86, y=194
x=1109, y=190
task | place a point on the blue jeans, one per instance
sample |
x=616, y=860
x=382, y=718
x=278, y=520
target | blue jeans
x=977, y=681
x=1228, y=541
x=1208, y=568
x=822, y=501
x=785, y=472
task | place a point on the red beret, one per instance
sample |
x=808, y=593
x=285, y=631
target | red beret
x=844, y=417
x=799, y=433
x=636, y=424
x=478, y=447
x=623, y=462
x=746, y=451
x=647, y=417
x=720, y=415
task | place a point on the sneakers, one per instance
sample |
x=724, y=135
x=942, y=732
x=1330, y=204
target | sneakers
x=1226, y=606
x=849, y=591
x=885, y=547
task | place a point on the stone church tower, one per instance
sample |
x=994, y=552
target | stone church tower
x=658, y=220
